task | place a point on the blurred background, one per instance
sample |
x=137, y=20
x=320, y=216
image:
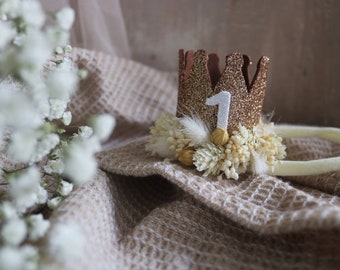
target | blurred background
x=301, y=37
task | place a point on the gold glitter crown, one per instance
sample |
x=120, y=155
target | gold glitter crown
x=200, y=78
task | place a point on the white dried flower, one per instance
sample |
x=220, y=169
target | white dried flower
x=37, y=226
x=62, y=84
x=32, y=56
x=14, y=231
x=85, y=132
x=16, y=109
x=8, y=211
x=10, y=7
x=68, y=48
x=24, y=188
x=31, y=256
x=57, y=108
x=59, y=50
x=57, y=36
x=22, y=145
x=67, y=118
x=54, y=202
x=66, y=241
x=44, y=146
x=42, y=195
x=11, y=258
x=102, y=125
x=80, y=164
x=65, y=188
x=168, y=131
x=65, y=18
x=6, y=34
x=82, y=73
x=54, y=166
x=32, y=13
x=209, y=159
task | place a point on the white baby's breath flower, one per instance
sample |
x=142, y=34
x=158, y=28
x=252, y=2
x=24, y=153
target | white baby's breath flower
x=67, y=118
x=14, y=231
x=65, y=18
x=11, y=258
x=44, y=146
x=8, y=210
x=17, y=109
x=54, y=166
x=54, y=202
x=68, y=48
x=66, y=241
x=31, y=256
x=66, y=65
x=102, y=125
x=82, y=73
x=22, y=145
x=57, y=36
x=32, y=13
x=59, y=50
x=62, y=84
x=65, y=188
x=10, y=7
x=42, y=195
x=37, y=226
x=80, y=164
x=24, y=188
x=33, y=54
x=57, y=108
x=85, y=132
x=6, y=34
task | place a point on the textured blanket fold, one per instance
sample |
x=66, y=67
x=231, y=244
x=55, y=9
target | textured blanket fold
x=145, y=213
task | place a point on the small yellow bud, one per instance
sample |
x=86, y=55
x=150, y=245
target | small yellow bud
x=219, y=136
x=185, y=157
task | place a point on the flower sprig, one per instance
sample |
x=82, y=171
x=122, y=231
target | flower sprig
x=40, y=160
x=188, y=139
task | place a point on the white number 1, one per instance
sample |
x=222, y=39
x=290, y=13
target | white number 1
x=222, y=99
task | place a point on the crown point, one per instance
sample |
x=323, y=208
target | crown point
x=235, y=59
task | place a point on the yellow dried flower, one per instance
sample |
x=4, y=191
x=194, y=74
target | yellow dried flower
x=185, y=157
x=219, y=136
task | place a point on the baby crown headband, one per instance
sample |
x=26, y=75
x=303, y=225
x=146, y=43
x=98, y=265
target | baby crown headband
x=218, y=127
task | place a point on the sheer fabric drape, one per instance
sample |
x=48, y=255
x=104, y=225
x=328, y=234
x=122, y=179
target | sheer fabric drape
x=99, y=25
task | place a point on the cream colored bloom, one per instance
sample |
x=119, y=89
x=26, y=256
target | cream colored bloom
x=168, y=138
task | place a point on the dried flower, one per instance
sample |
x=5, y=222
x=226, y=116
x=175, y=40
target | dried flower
x=8, y=210
x=168, y=131
x=102, y=125
x=65, y=188
x=11, y=258
x=80, y=165
x=6, y=34
x=54, y=166
x=66, y=118
x=255, y=150
x=14, y=231
x=37, y=226
x=209, y=159
x=24, y=188
x=65, y=18
x=54, y=202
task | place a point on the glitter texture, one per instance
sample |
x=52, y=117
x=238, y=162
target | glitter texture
x=196, y=84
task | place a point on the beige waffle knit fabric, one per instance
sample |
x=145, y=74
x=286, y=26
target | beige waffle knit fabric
x=145, y=213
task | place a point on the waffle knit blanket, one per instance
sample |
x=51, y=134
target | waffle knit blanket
x=145, y=213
